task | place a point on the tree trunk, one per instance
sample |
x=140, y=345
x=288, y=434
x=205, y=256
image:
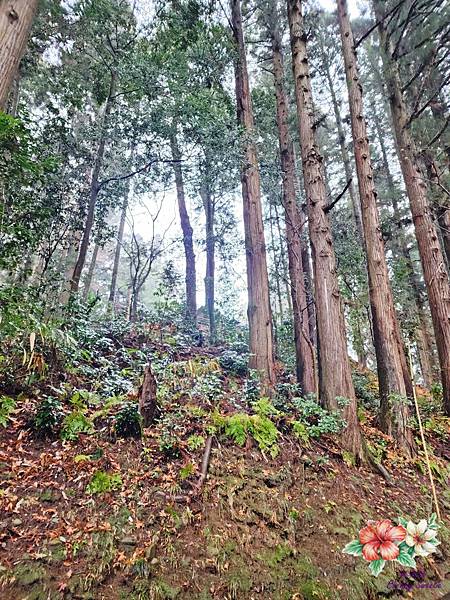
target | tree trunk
x=90, y=275
x=147, y=397
x=209, y=208
x=16, y=18
x=276, y=275
x=400, y=246
x=433, y=263
x=394, y=411
x=259, y=313
x=94, y=189
x=283, y=261
x=335, y=374
x=356, y=208
x=304, y=351
x=191, y=282
x=118, y=250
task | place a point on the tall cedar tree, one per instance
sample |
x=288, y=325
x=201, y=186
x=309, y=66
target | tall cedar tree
x=259, y=312
x=94, y=186
x=186, y=228
x=304, y=350
x=334, y=364
x=431, y=256
x=16, y=18
x=389, y=351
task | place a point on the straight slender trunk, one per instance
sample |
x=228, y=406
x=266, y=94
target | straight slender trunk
x=304, y=351
x=433, y=262
x=400, y=246
x=16, y=19
x=276, y=273
x=394, y=412
x=209, y=208
x=259, y=313
x=118, y=249
x=186, y=228
x=356, y=208
x=94, y=189
x=90, y=274
x=283, y=261
x=335, y=373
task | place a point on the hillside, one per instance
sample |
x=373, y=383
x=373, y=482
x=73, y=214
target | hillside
x=96, y=515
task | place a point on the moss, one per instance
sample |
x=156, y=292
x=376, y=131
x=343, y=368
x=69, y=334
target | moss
x=239, y=582
x=314, y=590
x=305, y=567
x=27, y=574
x=272, y=558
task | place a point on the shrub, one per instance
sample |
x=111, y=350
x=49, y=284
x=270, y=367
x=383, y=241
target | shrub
x=74, y=424
x=128, y=422
x=195, y=442
x=48, y=416
x=7, y=406
x=234, y=362
x=260, y=427
x=104, y=482
x=316, y=420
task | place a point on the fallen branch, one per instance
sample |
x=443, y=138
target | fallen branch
x=205, y=463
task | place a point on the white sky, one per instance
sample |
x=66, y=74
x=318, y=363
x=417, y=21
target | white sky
x=331, y=5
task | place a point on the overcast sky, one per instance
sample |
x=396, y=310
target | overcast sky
x=331, y=5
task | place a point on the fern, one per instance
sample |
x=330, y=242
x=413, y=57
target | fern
x=7, y=406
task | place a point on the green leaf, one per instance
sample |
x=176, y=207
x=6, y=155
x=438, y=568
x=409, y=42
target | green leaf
x=354, y=548
x=432, y=523
x=403, y=522
x=406, y=560
x=376, y=566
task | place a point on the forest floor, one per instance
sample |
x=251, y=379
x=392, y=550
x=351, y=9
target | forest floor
x=102, y=517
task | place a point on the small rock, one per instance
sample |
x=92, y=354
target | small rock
x=17, y=522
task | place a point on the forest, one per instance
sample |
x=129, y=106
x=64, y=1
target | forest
x=224, y=299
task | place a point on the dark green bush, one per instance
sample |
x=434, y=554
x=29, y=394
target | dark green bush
x=128, y=422
x=48, y=417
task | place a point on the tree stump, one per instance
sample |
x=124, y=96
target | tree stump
x=147, y=397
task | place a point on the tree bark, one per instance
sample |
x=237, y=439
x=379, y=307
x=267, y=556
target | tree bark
x=94, y=189
x=118, y=250
x=16, y=19
x=209, y=208
x=433, y=263
x=304, y=351
x=394, y=412
x=90, y=275
x=335, y=374
x=147, y=397
x=190, y=276
x=400, y=247
x=259, y=312
x=356, y=208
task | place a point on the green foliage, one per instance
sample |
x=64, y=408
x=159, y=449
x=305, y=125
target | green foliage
x=128, y=421
x=301, y=432
x=364, y=390
x=195, y=442
x=48, y=416
x=234, y=361
x=7, y=407
x=24, y=170
x=316, y=420
x=260, y=427
x=104, y=482
x=186, y=471
x=265, y=408
x=75, y=424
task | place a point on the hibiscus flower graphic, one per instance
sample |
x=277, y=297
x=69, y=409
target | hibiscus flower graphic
x=382, y=541
x=378, y=540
